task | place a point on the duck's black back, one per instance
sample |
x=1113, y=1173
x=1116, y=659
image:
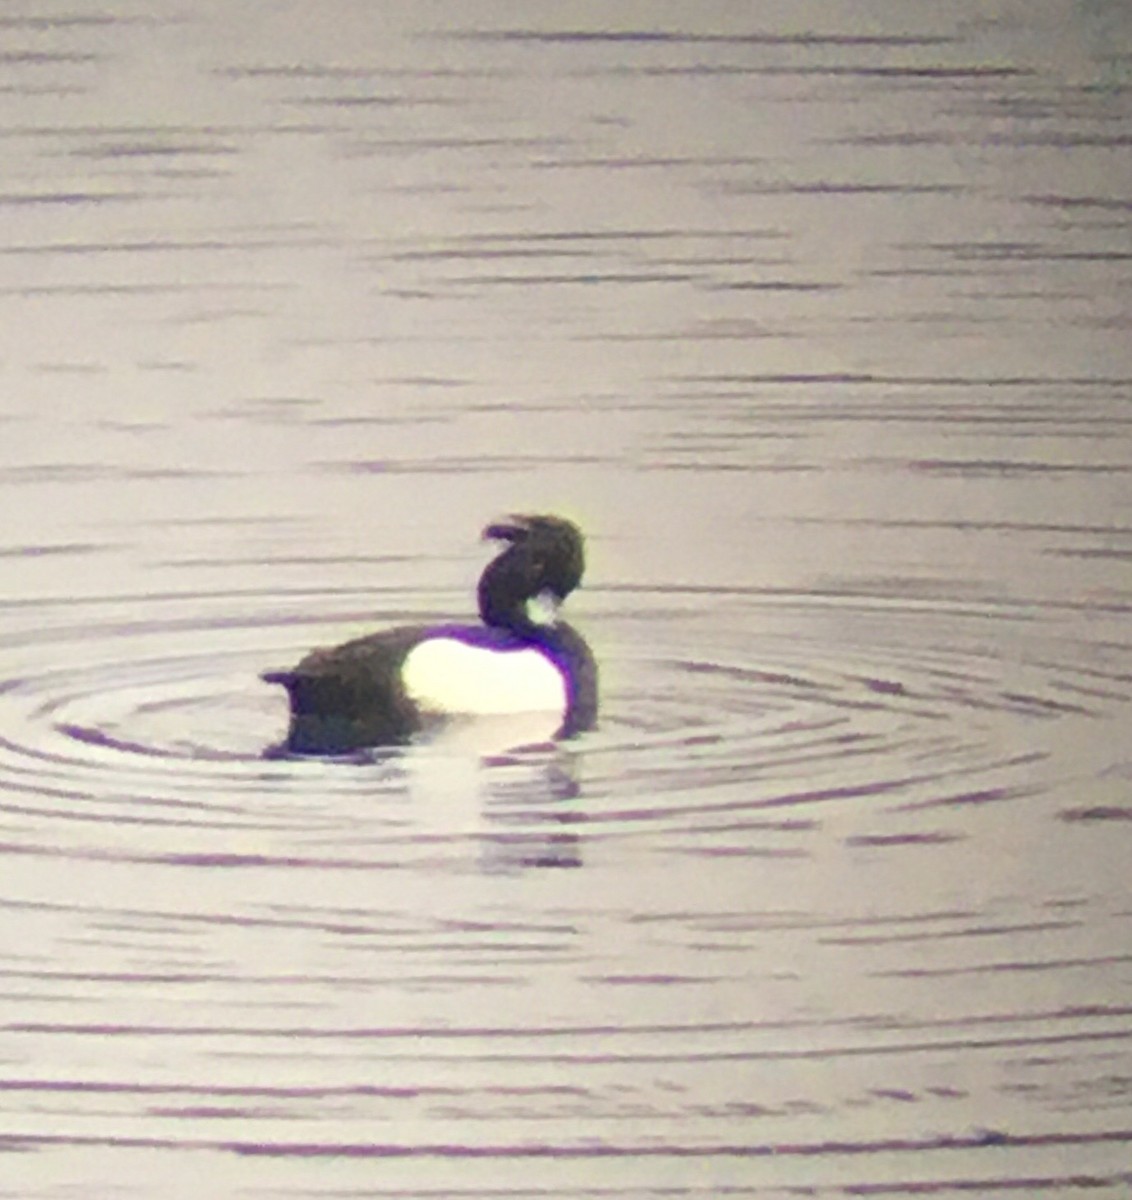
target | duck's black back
x=351, y=696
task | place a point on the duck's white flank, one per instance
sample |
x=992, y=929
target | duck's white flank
x=447, y=675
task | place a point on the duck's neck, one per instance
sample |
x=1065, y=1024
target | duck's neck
x=503, y=591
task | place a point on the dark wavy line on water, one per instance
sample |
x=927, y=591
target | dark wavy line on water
x=977, y=931
x=56, y=133
x=101, y=818
x=767, y=71
x=389, y=100
x=1007, y=965
x=210, y=978
x=807, y=378
x=168, y=246
x=582, y=1059
x=1059, y=140
x=1011, y=526
x=72, y=199
x=977, y=1140
x=433, y=1033
x=139, y=149
x=1058, y=200
x=213, y=861
x=71, y=21
x=578, y=279
x=834, y=187
x=880, y=599
x=47, y=58
x=599, y=237
x=322, y=71
x=459, y=465
x=265, y=1091
x=1098, y=812
x=650, y=36
x=446, y=1033
x=303, y=919
x=672, y=37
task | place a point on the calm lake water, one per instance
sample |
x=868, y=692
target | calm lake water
x=816, y=316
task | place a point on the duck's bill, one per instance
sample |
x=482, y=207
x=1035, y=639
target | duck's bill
x=543, y=608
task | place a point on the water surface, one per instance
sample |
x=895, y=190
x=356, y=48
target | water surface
x=815, y=318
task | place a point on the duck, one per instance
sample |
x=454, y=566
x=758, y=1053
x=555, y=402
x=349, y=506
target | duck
x=385, y=687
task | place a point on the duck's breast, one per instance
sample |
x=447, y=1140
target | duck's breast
x=465, y=673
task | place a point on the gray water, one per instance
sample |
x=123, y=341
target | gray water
x=816, y=317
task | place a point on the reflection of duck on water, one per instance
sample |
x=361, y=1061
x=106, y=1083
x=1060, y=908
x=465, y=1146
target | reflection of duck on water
x=529, y=820
x=380, y=689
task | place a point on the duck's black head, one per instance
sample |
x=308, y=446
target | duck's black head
x=543, y=554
